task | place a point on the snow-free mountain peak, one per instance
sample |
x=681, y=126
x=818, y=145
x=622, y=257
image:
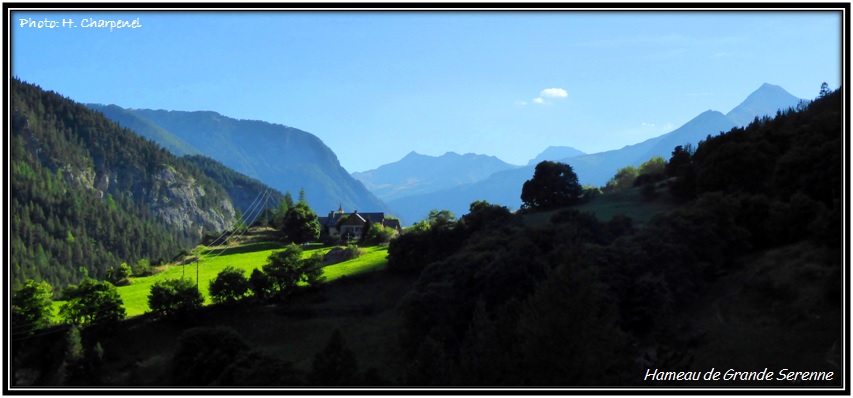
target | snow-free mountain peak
x=504, y=187
x=555, y=153
x=766, y=100
x=417, y=174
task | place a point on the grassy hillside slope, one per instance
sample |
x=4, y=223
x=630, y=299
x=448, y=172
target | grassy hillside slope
x=245, y=256
x=629, y=203
x=363, y=308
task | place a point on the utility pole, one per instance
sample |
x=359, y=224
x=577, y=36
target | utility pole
x=196, y=274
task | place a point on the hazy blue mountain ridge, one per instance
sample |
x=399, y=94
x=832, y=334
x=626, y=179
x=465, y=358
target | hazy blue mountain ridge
x=765, y=101
x=504, y=187
x=285, y=158
x=144, y=127
x=417, y=174
x=596, y=169
x=554, y=153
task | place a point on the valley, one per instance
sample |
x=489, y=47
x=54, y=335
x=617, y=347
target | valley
x=409, y=194
x=287, y=199
x=682, y=263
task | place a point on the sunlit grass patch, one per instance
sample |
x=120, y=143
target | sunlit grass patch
x=247, y=258
x=374, y=258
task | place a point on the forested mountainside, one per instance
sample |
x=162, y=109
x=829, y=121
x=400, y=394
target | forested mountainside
x=243, y=190
x=88, y=194
x=146, y=128
x=285, y=158
x=748, y=266
x=741, y=261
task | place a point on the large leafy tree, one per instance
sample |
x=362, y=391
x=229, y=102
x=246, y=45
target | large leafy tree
x=259, y=283
x=553, y=185
x=174, y=297
x=282, y=268
x=286, y=269
x=441, y=218
x=681, y=166
x=623, y=179
x=229, y=285
x=301, y=224
x=655, y=165
x=92, y=302
x=483, y=214
x=31, y=306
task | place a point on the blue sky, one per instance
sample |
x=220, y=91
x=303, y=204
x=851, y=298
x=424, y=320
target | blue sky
x=376, y=85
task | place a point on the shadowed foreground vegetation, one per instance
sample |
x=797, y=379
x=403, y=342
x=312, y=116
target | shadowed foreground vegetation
x=734, y=264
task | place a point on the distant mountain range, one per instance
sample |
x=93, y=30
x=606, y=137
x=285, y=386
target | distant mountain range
x=285, y=158
x=504, y=186
x=289, y=159
x=417, y=174
x=554, y=153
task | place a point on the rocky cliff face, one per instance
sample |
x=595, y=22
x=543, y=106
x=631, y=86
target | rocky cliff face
x=87, y=194
x=177, y=200
x=285, y=158
x=175, y=197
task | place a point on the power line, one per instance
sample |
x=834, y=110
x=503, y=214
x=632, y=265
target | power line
x=254, y=203
x=208, y=256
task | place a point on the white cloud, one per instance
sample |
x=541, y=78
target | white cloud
x=546, y=93
x=644, y=124
x=553, y=93
x=550, y=93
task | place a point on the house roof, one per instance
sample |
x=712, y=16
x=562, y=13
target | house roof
x=373, y=217
x=392, y=223
x=360, y=218
x=354, y=219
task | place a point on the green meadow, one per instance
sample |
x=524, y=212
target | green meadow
x=245, y=257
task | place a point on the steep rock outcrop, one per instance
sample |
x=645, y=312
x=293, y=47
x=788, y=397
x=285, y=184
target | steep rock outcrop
x=176, y=199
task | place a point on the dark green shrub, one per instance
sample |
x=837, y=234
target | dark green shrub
x=92, y=302
x=260, y=284
x=229, y=286
x=174, y=298
x=335, y=365
x=203, y=354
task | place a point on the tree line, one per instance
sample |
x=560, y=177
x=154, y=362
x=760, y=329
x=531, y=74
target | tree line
x=82, y=187
x=574, y=301
x=578, y=300
x=62, y=230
